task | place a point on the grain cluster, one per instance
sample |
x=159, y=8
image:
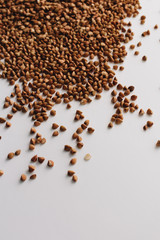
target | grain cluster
x=51, y=45
x=54, y=52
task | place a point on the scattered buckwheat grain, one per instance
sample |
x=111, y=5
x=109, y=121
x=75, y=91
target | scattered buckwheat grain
x=87, y=157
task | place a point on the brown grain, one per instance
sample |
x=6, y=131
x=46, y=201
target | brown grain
x=55, y=126
x=114, y=93
x=31, y=147
x=9, y=116
x=144, y=58
x=73, y=151
x=70, y=173
x=132, y=46
x=119, y=87
x=133, y=97
x=79, y=130
x=33, y=130
x=86, y=122
x=83, y=126
x=2, y=120
x=68, y=106
x=136, y=53
x=156, y=26
x=18, y=152
x=79, y=145
x=118, y=121
x=121, y=68
x=141, y=112
x=149, y=124
x=146, y=33
x=90, y=130
x=67, y=148
x=115, y=67
x=41, y=159
x=33, y=176
x=43, y=141
x=37, y=123
x=145, y=127
x=55, y=134
x=73, y=161
x=52, y=112
x=79, y=138
x=74, y=136
x=132, y=109
x=131, y=88
x=143, y=17
x=139, y=44
x=11, y=155
x=1, y=172
x=110, y=125
x=74, y=178
x=50, y=163
x=34, y=158
x=149, y=112
x=158, y=143
x=31, y=168
x=63, y=129
x=77, y=117
x=8, y=124
x=23, y=177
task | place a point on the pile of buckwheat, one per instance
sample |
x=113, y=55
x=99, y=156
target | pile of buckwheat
x=49, y=46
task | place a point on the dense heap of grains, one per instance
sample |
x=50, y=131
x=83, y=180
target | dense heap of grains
x=48, y=46
x=44, y=45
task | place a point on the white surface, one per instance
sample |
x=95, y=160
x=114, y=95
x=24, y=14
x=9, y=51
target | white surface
x=117, y=196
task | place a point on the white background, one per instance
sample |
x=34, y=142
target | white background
x=117, y=196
